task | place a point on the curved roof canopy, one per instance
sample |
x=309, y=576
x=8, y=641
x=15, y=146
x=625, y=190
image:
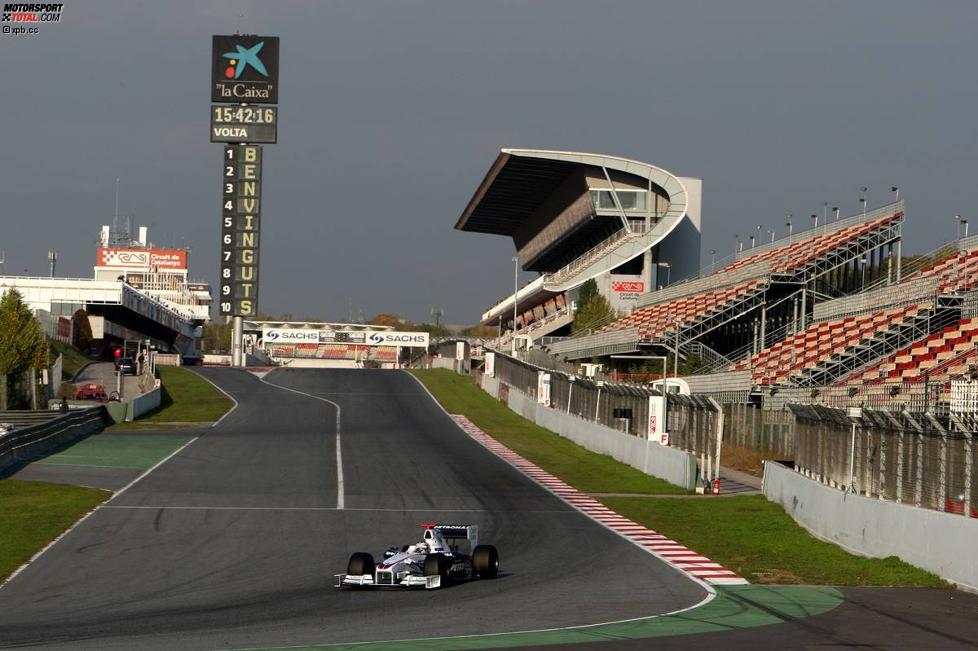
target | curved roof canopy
x=520, y=180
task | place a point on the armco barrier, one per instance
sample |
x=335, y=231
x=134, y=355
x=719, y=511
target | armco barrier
x=674, y=466
x=29, y=442
x=938, y=542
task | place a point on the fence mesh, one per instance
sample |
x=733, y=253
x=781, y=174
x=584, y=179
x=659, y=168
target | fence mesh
x=904, y=458
x=691, y=421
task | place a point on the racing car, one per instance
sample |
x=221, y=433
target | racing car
x=431, y=563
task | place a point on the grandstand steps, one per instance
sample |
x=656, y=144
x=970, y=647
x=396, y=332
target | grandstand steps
x=894, y=334
x=946, y=353
x=735, y=306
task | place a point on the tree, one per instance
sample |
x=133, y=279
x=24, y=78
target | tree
x=391, y=320
x=81, y=330
x=433, y=330
x=593, y=309
x=22, y=342
x=481, y=331
x=217, y=337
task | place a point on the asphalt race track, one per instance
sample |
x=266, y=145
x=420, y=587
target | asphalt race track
x=233, y=541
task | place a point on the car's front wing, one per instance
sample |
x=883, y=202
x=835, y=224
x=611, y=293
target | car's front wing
x=369, y=581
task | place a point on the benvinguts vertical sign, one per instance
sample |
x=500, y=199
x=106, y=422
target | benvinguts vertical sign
x=244, y=72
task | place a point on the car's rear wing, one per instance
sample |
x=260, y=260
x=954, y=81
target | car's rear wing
x=451, y=532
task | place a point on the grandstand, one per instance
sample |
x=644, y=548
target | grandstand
x=834, y=310
x=738, y=308
x=574, y=217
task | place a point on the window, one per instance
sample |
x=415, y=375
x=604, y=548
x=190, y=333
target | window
x=631, y=200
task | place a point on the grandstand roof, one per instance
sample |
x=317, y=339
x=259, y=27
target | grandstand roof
x=520, y=180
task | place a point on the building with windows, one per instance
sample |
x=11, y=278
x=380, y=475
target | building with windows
x=137, y=293
x=573, y=217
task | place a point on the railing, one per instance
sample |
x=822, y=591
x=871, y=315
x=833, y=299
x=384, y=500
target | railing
x=796, y=236
x=825, y=229
x=594, y=254
x=584, y=345
x=27, y=442
x=530, y=286
x=906, y=293
x=757, y=271
x=703, y=351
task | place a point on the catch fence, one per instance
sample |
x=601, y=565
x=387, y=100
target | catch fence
x=901, y=457
x=693, y=422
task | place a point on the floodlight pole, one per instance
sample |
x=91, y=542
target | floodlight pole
x=516, y=295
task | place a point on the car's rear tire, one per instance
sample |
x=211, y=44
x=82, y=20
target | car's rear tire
x=360, y=563
x=437, y=564
x=485, y=561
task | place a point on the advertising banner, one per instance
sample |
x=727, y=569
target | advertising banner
x=628, y=286
x=142, y=259
x=289, y=336
x=394, y=338
x=543, y=388
x=490, y=368
x=460, y=350
x=244, y=69
x=657, y=424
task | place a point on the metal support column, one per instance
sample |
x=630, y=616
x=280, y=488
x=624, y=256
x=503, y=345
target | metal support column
x=918, y=487
x=899, y=471
x=899, y=256
x=763, y=325
x=882, y=469
x=942, y=477
x=237, y=337
x=968, y=461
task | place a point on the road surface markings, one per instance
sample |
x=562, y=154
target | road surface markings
x=669, y=551
x=340, y=499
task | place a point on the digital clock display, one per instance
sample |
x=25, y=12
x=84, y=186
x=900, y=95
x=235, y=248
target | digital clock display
x=244, y=124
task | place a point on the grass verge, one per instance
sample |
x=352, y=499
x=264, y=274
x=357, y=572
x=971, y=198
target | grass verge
x=33, y=513
x=187, y=399
x=72, y=358
x=749, y=534
x=585, y=470
x=757, y=539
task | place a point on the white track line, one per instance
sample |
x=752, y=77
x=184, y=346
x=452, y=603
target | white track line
x=229, y=396
x=406, y=509
x=119, y=492
x=103, y=505
x=710, y=591
x=340, y=499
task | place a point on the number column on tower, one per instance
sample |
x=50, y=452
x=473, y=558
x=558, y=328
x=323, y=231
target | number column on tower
x=240, y=230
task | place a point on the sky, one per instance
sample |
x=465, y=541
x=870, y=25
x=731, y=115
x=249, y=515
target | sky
x=392, y=112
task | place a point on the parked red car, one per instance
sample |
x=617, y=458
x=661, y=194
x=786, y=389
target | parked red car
x=95, y=392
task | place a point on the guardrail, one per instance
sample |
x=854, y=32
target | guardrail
x=28, y=442
x=905, y=293
x=721, y=279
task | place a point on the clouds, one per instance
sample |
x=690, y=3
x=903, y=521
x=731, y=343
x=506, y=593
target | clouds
x=391, y=113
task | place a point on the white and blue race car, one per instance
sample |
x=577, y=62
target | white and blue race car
x=431, y=563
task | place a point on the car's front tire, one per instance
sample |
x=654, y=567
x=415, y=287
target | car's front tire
x=360, y=563
x=437, y=565
x=485, y=561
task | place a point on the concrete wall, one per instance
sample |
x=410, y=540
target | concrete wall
x=144, y=404
x=675, y=466
x=939, y=542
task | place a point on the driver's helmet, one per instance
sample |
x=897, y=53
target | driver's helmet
x=420, y=548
